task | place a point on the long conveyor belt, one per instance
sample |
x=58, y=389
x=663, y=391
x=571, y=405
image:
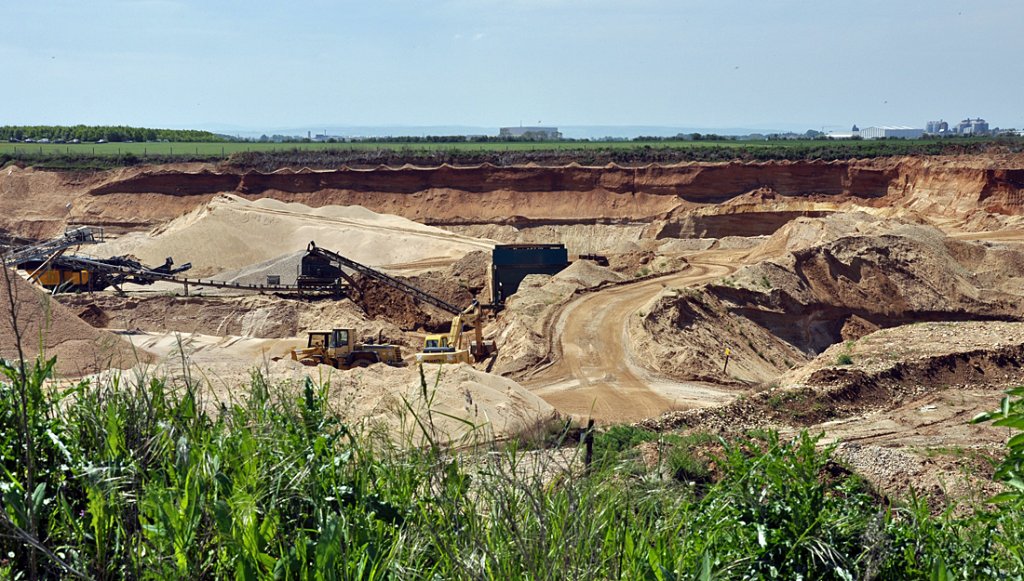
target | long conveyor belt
x=391, y=281
x=144, y=274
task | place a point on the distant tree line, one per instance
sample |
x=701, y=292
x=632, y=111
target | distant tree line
x=112, y=133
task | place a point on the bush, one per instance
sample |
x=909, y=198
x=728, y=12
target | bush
x=135, y=478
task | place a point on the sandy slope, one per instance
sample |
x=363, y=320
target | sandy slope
x=231, y=233
x=56, y=330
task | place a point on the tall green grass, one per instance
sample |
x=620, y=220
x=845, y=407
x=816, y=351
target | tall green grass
x=139, y=478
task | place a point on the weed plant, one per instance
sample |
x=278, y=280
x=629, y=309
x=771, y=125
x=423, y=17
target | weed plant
x=138, y=478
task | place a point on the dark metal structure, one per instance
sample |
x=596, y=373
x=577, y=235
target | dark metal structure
x=511, y=263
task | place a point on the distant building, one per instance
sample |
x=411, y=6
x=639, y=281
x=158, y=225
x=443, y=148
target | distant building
x=939, y=127
x=890, y=131
x=972, y=127
x=530, y=133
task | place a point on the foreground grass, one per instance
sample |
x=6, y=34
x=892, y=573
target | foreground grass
x=136, y=479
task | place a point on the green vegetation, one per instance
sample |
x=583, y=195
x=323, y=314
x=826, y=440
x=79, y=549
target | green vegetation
x=1011, y=470
x=269, y=155
x=844, y=359
x=136, y=477
x=94, y=133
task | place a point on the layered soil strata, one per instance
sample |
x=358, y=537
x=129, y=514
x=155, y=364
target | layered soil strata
x=950, y=190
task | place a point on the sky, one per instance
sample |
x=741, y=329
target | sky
x=255, y=64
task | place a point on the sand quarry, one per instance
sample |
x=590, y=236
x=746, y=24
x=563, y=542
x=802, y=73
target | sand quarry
x=878, y=301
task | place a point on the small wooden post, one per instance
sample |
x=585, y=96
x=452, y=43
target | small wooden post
x=728, y=352
x=588, y=440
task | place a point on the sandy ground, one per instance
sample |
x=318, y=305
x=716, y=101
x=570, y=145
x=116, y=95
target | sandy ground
x=596, y=375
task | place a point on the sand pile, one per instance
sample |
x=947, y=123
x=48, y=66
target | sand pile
x=380, y=396
x=230, y=233
x=374, y=397
x=681, y=245
x=803, y=233
x=286, y=267
x=80, y=349
x=684, y=333
x=587, y=274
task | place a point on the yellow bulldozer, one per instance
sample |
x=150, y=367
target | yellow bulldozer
x=338, y=348
x=450, y=347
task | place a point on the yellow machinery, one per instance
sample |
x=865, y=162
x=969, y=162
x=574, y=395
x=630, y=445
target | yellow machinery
x=56, y=277
x=448, y=348
x=338, y=349
x=324, y=266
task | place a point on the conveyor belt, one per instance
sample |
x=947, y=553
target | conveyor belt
x=71, y=237
x=391, y=281
x=144, y=274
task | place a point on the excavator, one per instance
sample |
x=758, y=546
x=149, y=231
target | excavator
x=448, y=348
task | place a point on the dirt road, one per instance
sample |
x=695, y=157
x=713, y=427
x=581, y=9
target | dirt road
x=594, y=374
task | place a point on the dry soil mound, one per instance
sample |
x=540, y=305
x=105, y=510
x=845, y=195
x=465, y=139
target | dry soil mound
x=887, y=369
x=822, y=293
x=80, y=349
x=231, y=233
x=803, y=233
x=588, y=274
x=381, y=396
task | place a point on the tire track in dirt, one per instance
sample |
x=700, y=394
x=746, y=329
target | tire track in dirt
x=595, y=375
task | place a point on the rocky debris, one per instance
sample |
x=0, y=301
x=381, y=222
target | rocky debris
x=380, y=301
x=964, y=474
x=855, y=327
x=879, y=372
x=94, y=315
x=472, y=271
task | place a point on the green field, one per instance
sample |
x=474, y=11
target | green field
x=227, y=148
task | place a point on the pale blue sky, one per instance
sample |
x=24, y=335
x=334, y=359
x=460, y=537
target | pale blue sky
x=722, y=63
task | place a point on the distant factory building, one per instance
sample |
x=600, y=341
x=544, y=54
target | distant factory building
x=889, y=131
x=939, y=127
x=530, y=133
x=973, y=127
